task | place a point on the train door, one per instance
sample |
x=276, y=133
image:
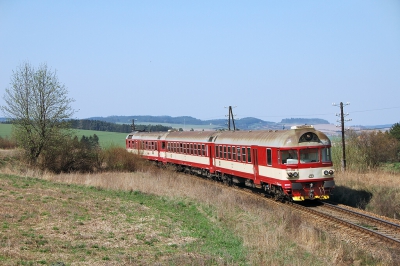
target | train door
x=162, y=151
x=211, y=157
x=254, y=154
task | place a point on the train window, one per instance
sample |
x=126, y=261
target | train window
x=309, y=155
x=216, y=151
x=248, y=155
x=289, y=156
x=224, y=152
x=269, y=157
x=203, y=147
x=199, y=151
x=238, y=154
x=229, y=152
x=220, y=152
x=163, y=145
x=243, y=154
x=326, y=155
x=234, y=153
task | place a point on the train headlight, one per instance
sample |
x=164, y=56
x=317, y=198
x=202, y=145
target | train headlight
x=328, y=172
x=292, y=174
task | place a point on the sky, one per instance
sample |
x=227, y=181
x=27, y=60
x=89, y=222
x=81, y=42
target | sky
x=267, y=59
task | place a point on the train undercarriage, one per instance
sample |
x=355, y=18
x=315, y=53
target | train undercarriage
x=298, y=191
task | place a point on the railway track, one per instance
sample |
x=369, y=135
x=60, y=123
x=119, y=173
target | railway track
x=371, y=228
x=368, y=229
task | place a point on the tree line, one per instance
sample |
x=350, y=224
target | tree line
x=98, y=125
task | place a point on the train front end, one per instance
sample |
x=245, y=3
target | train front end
x=308, y=166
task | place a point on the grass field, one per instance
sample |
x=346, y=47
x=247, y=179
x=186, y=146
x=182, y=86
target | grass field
x=106, y=139
x=48, y=223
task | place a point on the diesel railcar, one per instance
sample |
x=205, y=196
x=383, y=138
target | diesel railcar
x=292, y=164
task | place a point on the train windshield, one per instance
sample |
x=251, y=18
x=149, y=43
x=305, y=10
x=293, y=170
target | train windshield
x=289, y=157
x=310, y=155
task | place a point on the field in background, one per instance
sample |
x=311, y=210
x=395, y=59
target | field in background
x=106, y=139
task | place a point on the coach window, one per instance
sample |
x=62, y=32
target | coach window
x=238, y=154
x=269, y=157
x=234, y=153
x=163, y=145
x=229, y=152
x=203, y=147
x=225, y=152
x=217, y=151
x=248, y=155
x=243, y=154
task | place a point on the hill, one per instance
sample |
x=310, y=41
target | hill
x=246, y=123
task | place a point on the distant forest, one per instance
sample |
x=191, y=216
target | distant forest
x=98, y=125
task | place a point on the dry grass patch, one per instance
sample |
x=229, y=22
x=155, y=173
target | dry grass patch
x=375, y=191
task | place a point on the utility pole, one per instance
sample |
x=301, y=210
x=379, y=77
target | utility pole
x=342, y=120
x=133, y=125
x=229, y=119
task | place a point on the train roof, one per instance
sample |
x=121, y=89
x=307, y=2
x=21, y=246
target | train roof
x=147, y=135
x=274, y=138
x=296, y=136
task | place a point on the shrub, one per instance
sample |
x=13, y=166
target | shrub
x=6, y=143
x=118, y=159
x=71, y=155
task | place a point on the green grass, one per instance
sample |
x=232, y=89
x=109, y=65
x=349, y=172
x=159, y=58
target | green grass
x=93, y=225
x=5, y=130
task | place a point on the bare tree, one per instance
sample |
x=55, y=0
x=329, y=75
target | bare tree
x=38, y=106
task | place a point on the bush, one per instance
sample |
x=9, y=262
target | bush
x=71, y=155
x=118, y=159
x=6, y=143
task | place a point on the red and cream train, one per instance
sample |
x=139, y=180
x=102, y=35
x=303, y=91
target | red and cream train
x=294, y=164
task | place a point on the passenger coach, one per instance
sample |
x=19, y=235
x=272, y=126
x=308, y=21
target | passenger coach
x=294, y=164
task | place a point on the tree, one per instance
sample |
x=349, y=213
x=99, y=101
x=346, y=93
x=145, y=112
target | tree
x=38, y=106
x=395, y=131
